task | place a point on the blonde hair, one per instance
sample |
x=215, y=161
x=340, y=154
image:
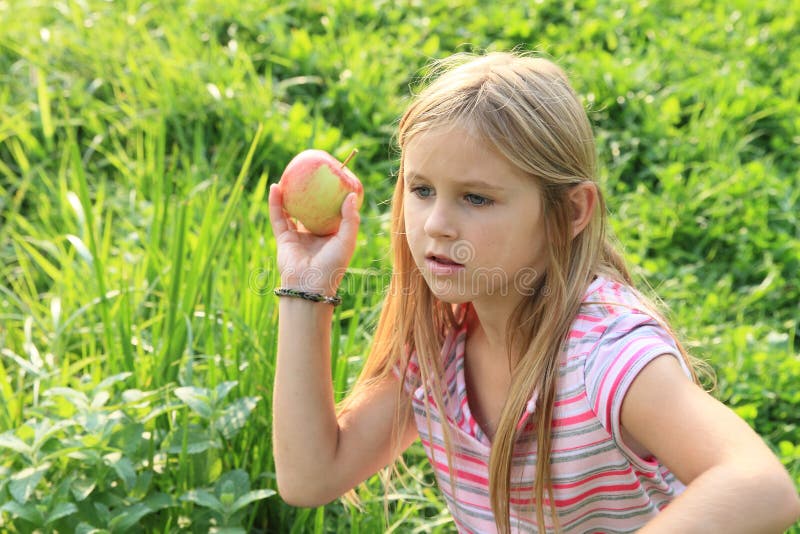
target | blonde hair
x=524, y=108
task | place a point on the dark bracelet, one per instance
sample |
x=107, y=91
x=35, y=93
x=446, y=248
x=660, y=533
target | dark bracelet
x=307, y=295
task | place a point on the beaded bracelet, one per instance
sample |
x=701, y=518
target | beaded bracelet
x=307, y=295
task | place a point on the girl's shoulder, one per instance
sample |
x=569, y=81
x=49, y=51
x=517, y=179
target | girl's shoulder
x=617, y=331
x=609, y=301
x=614, y=337
x=611, y=313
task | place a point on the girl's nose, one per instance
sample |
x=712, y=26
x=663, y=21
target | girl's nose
x=439, y=222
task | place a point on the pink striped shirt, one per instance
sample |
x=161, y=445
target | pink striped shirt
x=599, y=484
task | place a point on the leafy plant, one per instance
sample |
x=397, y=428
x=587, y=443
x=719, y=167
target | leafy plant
x=137, y=144
x=227, y=501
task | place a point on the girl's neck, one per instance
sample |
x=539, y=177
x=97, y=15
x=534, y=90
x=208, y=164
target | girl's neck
x=488, y=327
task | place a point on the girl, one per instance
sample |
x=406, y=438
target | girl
x=548, y=393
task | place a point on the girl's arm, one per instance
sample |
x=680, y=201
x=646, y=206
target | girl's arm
x=734, y=482
x=319, y=457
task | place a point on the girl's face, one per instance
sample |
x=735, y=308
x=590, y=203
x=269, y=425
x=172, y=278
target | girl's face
x=473, y=221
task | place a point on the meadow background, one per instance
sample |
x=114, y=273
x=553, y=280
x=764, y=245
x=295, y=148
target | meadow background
x=137, y=142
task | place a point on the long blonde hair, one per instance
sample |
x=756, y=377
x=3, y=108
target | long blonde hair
x=523, y=107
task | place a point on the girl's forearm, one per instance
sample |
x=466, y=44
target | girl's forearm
x=305, y=429
x=731, y=499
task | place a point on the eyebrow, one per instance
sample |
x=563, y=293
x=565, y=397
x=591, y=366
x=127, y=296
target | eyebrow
x=477, y=184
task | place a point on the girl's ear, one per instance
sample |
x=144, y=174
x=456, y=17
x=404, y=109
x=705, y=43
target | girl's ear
x=583, y=198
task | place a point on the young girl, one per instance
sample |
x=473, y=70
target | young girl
x=548, y=393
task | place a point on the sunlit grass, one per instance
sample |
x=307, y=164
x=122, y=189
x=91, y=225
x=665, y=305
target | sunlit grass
x=137, y=142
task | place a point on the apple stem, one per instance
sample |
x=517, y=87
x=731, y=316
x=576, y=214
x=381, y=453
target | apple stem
x=351, y=156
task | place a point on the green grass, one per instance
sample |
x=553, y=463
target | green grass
x=137, y=141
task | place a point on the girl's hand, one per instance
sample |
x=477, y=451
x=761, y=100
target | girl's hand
x=307, y=261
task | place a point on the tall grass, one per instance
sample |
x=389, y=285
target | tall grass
x=137, y=142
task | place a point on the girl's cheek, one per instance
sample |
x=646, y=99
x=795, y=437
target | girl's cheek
x=411, y=215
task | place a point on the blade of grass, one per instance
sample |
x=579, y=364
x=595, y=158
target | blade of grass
x=98, y=262
x=211, y=238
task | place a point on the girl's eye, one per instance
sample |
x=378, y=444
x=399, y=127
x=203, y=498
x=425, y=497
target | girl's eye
x=422, y=191
x=477, y=200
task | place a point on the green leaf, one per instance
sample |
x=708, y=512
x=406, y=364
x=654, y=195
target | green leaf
x=123, y=467
x=227, y=488
x=195, y=398
x=214, y=469
x=198, y=440
x=251, y=496
x=87, y=454
x=24, y=483
x=227, y=498
x=5, y=473
x=82, y=487
x=28, y=512
x=45, y=430
x=129, y=438
x=77, y=398
x=86, y=528
x=102, y=512
x=133, y=514
x=23, y=363
x=60, y=510
x=203, y=498
x=142, y=485
x=236, y=481
x=100, y=399
x=157, y=501
x=137, y=397
x=9, y=441
x=222, y=390
x=234, y=417
x=111, y=380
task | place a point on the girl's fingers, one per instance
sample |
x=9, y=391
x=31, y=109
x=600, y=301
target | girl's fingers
x=339, y=247
x=348, y=229
x=280, y=223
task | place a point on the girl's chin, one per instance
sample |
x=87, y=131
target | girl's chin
x=449, y=291
x=452, y=299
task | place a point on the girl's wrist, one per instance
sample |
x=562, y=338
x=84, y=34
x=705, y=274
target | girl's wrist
x=311, y=296
x=321, y=289
x=311, y=283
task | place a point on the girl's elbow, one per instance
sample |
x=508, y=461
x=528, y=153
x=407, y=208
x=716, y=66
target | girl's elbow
x=793, y=505
x=302, y=495
x=792, y=508
x=787, y=503
x=301, y=499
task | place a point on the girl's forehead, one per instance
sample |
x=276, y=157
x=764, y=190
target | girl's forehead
x=442, y=126
x=445, y=135
x=455, y=152
x=436, y=146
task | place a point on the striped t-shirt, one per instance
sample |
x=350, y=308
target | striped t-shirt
x=599, y=484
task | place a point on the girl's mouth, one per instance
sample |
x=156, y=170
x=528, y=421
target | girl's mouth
x=442, y=265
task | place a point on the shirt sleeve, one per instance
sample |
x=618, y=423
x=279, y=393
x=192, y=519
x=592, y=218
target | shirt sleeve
x=621, y=353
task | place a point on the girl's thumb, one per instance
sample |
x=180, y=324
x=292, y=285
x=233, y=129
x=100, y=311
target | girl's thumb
x=350, y=218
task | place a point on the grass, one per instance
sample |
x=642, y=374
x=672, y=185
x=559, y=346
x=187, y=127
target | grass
x=137, y=141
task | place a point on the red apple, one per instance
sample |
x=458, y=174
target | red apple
x=314, y=185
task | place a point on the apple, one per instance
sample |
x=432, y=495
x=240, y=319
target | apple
x=314, y=186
